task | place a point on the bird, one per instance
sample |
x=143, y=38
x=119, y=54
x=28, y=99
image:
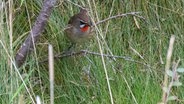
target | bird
x=79, y=27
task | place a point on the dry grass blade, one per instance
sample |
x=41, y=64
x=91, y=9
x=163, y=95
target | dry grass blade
x=51, y=73
x=167, y=66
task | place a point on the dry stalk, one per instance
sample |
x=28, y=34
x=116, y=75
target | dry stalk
x=167, y=66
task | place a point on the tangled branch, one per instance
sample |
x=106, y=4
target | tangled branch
x=85, y=52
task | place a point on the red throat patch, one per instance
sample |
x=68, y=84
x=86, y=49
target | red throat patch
x=85, y=28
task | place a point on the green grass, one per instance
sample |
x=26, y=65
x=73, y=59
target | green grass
x=81, y=79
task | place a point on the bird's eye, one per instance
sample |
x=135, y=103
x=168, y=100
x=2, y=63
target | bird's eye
x=82, y=22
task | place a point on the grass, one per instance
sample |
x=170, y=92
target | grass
x=81, y=79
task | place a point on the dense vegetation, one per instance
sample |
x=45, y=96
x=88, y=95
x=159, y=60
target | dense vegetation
x=81, y=79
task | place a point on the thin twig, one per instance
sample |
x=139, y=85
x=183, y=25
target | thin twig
x=120, y=15
x=114, y=17
x=63, y=55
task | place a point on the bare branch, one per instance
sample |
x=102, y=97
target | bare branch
x=121, y=15
x=63, y=55
x=34, y=35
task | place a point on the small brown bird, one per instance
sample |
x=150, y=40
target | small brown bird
x=79, y=27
